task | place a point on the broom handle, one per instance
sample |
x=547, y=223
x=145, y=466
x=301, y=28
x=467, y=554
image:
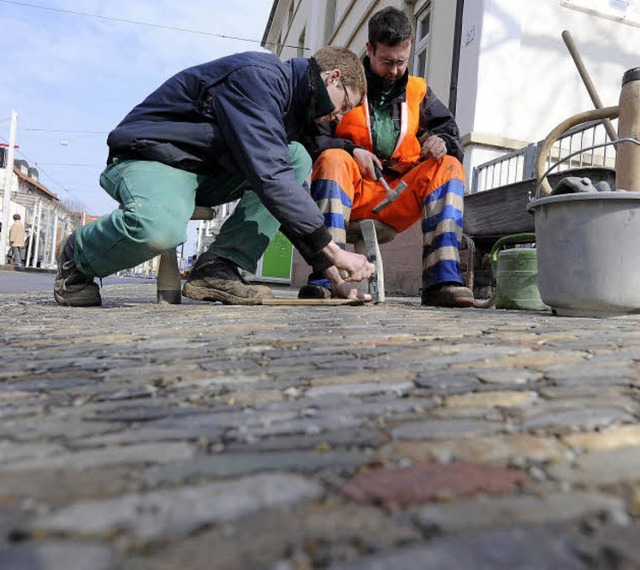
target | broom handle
x=591, y=89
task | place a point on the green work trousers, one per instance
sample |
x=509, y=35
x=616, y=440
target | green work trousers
x=156, y=204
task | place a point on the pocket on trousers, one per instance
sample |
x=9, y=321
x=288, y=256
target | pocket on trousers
x=109, y=181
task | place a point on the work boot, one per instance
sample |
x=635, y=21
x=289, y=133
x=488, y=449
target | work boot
x=73, y=288
x=315, y=289
x=218, y=279
x=452, y=295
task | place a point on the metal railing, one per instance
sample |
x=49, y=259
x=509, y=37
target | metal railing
x=519, y=165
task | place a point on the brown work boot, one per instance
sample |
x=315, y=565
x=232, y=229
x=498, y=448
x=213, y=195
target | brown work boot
x=218, y=279
x=452, y=295
x=72, y=288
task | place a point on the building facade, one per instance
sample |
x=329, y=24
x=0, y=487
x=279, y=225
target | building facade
x=45, y=218
x=500, y=65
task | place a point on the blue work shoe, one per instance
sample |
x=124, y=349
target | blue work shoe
x=316, y=289
x=72, y=288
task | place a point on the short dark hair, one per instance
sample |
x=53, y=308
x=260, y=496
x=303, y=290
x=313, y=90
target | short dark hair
x=390, y=27
x=16, y=216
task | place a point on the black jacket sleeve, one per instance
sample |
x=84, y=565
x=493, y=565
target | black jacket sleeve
x=436, y=119
x=323, y=138
x=248, y=107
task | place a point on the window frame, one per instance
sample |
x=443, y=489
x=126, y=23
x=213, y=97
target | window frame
x=422, y=44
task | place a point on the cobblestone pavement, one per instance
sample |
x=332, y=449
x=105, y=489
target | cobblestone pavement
x=137, y=436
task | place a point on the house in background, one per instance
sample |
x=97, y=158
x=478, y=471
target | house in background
x=500, y=65
x=45, y=217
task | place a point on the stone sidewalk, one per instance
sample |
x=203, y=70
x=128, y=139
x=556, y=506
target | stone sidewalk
x=145, y=437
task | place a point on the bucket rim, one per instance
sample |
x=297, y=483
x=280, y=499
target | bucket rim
x=584, y=197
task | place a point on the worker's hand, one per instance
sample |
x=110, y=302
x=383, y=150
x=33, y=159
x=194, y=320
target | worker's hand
x=434, y=147
x=365, y=161
x=355, y=266
x=343, y=290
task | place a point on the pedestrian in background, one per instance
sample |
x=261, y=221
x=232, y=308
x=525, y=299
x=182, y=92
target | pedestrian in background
x=16, y=240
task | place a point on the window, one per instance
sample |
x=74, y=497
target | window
x=423, y=34
x=301, y=44
x=329, y=20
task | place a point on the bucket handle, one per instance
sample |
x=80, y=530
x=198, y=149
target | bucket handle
x=512, y=239
x=606, y=113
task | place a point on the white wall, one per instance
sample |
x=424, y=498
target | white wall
x=527, y=81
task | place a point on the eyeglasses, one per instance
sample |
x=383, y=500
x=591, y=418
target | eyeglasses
x=400, y=63
x=346, y=106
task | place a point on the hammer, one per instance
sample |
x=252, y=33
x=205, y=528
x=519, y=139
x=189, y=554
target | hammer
x=392, y=195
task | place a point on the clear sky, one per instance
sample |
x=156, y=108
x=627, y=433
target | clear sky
x=72, y=78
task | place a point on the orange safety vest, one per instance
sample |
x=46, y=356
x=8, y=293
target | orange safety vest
x=356, y=126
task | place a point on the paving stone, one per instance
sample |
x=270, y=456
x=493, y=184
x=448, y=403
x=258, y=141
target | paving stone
x=131, y=415
x=45, y=385
x=495, y=449
x=230, y=465
x=313, y=425
x=605, y=395
x=362, y=388
x=365, y=377
x=506, y=511
x=608, y=373
x=505, y=399
x=434, y=429
x=322, y=531
x=534, y=360
x=233, y=418
x=605, y=439
x=617, y=545
x=12, y=453
x=127, y=394
x=59, y=555
x=142, y=453
x=254, y=397
x=516, y=549
x=583, y=417
x=52, y=488
x=598, y=468
x=145, y=434
x=47, y=428
x=343, y=438
x=178, y=512
x=447, y=382
x=508, y=377
x=427, y=482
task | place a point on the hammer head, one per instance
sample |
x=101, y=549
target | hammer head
x=376, y=281
x=392, y=196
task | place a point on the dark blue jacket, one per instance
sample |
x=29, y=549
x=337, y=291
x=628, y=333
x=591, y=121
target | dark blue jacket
x=237, y=113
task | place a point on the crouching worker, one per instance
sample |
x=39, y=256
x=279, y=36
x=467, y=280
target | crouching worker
x=207, y=136
x=407, y=133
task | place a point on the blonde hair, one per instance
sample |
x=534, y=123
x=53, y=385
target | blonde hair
x=335, y=57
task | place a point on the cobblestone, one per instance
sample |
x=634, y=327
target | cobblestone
x=139, y=436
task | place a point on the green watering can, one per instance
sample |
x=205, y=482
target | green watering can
x=516, y=274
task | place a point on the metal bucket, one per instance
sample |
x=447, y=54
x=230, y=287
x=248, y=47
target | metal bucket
x=588, y=255
x=516, y=274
